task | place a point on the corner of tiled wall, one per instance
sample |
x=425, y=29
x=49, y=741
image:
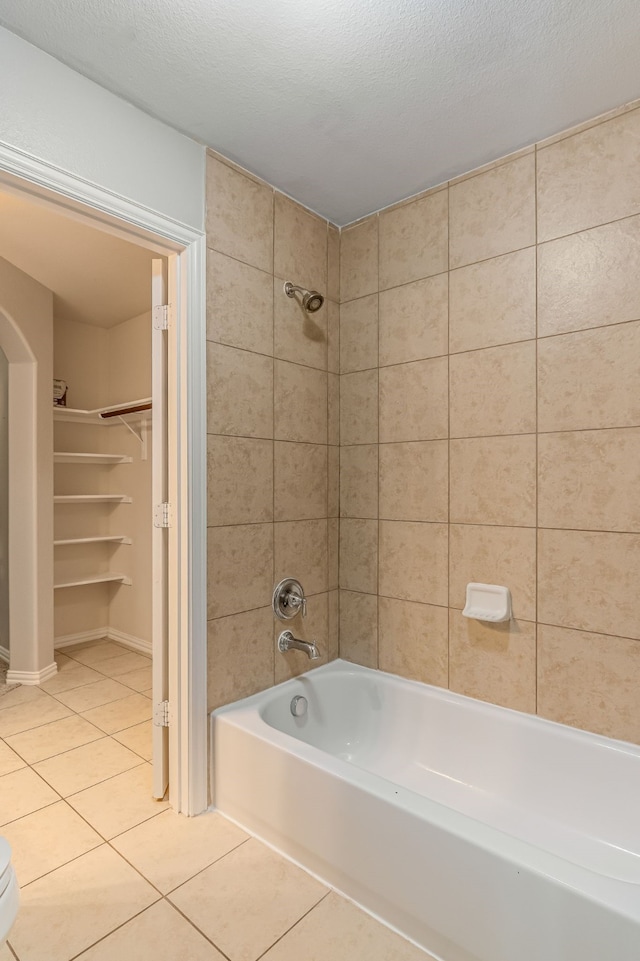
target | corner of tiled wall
x=272, y=373
x=490, y=430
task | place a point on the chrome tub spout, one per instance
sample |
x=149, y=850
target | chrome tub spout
x=287, y=642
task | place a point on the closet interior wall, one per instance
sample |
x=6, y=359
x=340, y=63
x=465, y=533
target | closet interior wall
x=103, y=367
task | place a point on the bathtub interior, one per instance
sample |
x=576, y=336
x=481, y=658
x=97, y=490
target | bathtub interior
x=566, y=791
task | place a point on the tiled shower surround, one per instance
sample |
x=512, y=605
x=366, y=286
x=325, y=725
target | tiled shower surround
x=489, y=354
x=272, y=430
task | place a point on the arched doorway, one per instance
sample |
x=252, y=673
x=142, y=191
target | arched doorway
x=29, y=562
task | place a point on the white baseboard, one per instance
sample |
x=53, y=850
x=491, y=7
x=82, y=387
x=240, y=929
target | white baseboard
x=129, y=640
x=32, y=677
x=4, y=654
x=113, y=634
x=68, y=640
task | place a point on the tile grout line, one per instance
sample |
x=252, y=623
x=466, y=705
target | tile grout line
x=296, y=923
x=537, y=347
x=378, y=524
x=448, y=436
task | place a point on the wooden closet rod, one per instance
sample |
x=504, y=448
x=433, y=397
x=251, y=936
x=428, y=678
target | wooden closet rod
x=126, y=410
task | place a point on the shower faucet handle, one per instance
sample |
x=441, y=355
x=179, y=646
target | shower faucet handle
x=288, y=599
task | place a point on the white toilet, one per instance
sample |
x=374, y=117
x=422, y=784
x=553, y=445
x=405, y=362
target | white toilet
x=9, y=895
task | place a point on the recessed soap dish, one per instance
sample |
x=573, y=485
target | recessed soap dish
x=488, y=602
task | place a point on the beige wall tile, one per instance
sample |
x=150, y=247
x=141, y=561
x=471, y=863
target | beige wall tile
x=239, y=568
x=492, y=164
x=413, y=240
x=333, y=650
x=359, y=408
x=301, y=552
x=359, y=628
x=239, y=392
x=493, y=662
x=333, y=481
x=333, y=263
x=493, y=481
x=588, y=580
x=300, y=403
x=413, y=561
x=493, y=213
x=589, y=681
x=239, y=215
x=414, y=401
x=333, y=405
x=493, y=302
x=359, y=555
x=414, y=641
x=414, y=481
x=240, y=658
x=589, y=279
x=414, y=321
x=239, y=304
x=239, y=480
x=494, y=555
x=299, y=336
x=590, y=379
x=590, y=178
x=333, y=534
x=359, y=334
x=300, y=245
x=359, y=260
x=589, y=480
x=313, y=627
x=359, y=481
x=300, y=481
x=493, y=391
x=333, y=336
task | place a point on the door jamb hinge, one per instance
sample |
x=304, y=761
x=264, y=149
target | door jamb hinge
x=161, y=714
x=162, y=515
x=161, y=317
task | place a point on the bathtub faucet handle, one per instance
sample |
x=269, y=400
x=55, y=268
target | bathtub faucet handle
x=288, y=599
x=297, y=603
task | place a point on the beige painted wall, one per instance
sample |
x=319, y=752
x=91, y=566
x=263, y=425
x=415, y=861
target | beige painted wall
x=490, y=430
x=272, y=430
x=4, y=501
x=30, y=335
x=79, y=359
x=104, y=367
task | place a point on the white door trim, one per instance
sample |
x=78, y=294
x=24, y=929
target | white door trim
x=29, y=176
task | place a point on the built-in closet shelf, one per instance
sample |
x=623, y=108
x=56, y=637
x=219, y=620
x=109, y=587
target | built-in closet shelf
x=98, y=579
x=68, y=457
x=111, y=539
x=91, y=499
x=102, y=415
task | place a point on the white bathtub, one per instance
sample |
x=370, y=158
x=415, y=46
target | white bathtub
x=480, y=833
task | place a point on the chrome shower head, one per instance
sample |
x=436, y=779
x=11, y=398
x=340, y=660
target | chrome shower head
x=311, y=299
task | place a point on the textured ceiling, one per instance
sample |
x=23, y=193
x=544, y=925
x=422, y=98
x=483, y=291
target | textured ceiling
x=350, y=105
x=96, y=278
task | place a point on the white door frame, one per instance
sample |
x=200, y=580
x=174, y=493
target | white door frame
x=185, y=249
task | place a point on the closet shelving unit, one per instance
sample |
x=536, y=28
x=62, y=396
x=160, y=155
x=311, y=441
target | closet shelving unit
x=123, y=413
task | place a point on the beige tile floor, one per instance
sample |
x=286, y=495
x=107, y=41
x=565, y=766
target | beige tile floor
x=107, y=874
